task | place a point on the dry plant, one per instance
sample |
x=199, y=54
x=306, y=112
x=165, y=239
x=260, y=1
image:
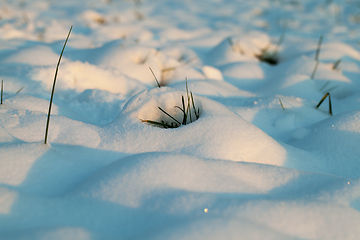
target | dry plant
x=185, y=109
x=323, y=99
x=53, y=88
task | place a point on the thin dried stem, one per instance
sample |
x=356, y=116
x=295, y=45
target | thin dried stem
x=169, y=115
x=18, y=91
x=282, y=105
x=2, y=90
x=155, y=77
x=319, y=48
x=53, y=88
x=336, y=64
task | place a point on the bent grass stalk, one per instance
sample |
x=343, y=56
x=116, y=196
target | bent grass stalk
x=53, y=88
x=323, y=99
x=197, y=114
x=155, y=77
x=170, y=116
x=160, y=124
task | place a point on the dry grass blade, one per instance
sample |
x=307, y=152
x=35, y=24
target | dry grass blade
x=336, y=64
x=169, y=115
x=2, y=90
x=155, y=77
x=145, y=58
x=18, y=91
x=185, y=116
x=231, y=43
x=282, y=105
x=197, y=114
x=183, y=110
x=188, y=110
x=160, y=124
x=323, y=99
x=53, y=88
x=314, y=71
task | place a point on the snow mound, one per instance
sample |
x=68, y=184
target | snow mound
x=212, y=88
x=34, y=55
x=80, y=76
x=242, y=48
x=336, y=140
x=135, y=180
x=219, y=133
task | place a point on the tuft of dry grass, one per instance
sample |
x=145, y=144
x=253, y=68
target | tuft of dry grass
x=282, y=105
x=185, y=109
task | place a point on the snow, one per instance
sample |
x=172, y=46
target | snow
x=256, y=159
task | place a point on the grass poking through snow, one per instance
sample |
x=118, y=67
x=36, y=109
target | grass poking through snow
x=282, y=105
x=18, y=91
x=323, y=99
x=271, y=56
x=53, y=88
x=2, y=90
x=185, y=109
x=155, y=77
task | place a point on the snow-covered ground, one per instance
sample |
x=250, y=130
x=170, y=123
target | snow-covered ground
x=255, y=160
